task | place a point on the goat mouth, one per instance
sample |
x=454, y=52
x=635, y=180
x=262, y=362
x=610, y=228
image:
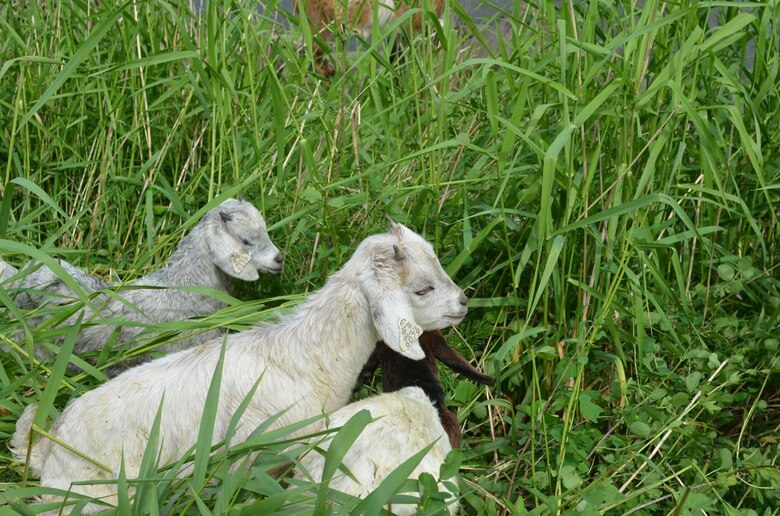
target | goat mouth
x=457, y=318
x=273, y=270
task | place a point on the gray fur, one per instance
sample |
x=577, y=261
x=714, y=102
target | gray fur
x=6, y=272
x=199, y=260
x=42, y=286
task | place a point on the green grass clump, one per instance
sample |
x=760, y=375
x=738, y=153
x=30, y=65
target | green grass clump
x=603, y=181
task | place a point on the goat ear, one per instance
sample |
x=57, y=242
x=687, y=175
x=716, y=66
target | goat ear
x=437, y=344
x=390, y=309
x=228, y=253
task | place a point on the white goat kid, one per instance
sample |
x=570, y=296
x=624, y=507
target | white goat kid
x=231, y=241
x=403, y=423
x=391, y=289
x=410, y=415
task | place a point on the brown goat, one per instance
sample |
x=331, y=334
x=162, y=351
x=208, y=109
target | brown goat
x=399, y=372
x=357, y=15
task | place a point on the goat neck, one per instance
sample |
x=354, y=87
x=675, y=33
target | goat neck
x=339, y=337
x=191, y=264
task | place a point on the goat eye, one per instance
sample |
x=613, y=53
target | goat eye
x=246, y=242
x=424, y=291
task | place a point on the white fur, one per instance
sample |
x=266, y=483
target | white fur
x=404, y=423
x=234, y=230
x=308, y=362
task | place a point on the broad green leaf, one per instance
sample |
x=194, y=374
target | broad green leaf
x=588, y=409
x=640, y=428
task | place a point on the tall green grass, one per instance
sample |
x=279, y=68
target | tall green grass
x=603, y=181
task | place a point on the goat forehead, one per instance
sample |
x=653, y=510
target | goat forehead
x=418, y=250
x=422, y=251
x=252, y=219
x=424, y=257
x=256, y=219
x=231, y=205
x=242, y=210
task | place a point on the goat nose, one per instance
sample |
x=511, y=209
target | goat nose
x=278, y=259
x=463, y=299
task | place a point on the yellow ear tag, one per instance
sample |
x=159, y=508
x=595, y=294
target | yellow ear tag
x=239, y=261
x=410, y=332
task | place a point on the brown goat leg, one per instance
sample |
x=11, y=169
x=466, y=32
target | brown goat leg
x=452, y=359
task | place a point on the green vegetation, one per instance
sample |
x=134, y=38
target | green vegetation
x=604, y=181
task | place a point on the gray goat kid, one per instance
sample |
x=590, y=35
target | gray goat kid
x=231, y=241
